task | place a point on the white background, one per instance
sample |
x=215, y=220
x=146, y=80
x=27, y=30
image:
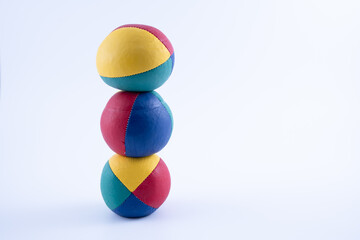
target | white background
x=265, y=97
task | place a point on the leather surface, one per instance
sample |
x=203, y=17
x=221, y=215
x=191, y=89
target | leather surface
x=143, y=82
x=133, y=171
x=149, y=127
x=165, y=105
x=154, y=190
x=132, y=207
x=156, y=32
x=129, y=51
x=136, y=124
x=114, y=120
x=113, y=190
x=135, y=187
x=172, y=61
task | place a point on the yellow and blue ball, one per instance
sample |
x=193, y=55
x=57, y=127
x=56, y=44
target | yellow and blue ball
x=135, y=58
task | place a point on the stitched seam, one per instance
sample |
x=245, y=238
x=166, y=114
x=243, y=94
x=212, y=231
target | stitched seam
x=137, y=199
x=119, y=179
x=142, y=72
x=154, y=67
x=142, y=201
x=124, y=200
x=127, y=124
x=144, y=181
x=122, y=184
x=156, y=37
x=150, y=33
x=166, y=109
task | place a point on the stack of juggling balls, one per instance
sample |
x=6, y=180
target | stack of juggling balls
x=136, y=122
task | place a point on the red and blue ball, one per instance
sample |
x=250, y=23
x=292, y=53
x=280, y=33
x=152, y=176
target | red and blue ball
x=136, y=124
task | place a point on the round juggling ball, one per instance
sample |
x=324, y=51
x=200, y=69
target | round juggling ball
x=136, y=124
x=135, y=187
x=135, y=58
